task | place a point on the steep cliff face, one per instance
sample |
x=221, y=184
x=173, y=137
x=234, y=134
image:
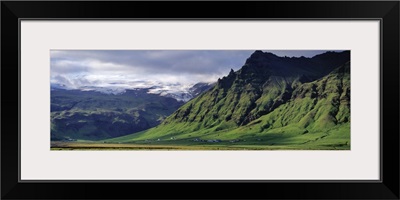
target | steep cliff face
x=265, y=82
x=315, y=106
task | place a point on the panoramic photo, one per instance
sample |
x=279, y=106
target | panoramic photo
x=200, y=99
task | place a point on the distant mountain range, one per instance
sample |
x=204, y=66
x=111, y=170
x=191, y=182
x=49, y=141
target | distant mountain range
x=185, y=93
x=177, y=91
x=271, y=100
x=94, y=113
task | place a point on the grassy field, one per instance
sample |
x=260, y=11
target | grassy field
x=128, y=147
x=258, y=143
x=288, y=138
x=247, y=137
x=113, y=146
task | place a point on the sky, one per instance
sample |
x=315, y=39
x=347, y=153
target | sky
x=140, y=68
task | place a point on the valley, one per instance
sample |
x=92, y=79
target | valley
x=270, y=103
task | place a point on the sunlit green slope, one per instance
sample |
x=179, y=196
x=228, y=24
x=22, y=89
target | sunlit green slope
x=270, y=101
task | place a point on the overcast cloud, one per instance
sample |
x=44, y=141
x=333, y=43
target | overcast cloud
x=141, y=68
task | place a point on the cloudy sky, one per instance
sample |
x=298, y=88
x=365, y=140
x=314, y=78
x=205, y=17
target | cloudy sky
x=140, y=68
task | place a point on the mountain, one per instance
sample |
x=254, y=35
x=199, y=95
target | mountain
x=270, y=100
x=181, y=92
x=177, y=91
x=199, y=88
x=93, y=115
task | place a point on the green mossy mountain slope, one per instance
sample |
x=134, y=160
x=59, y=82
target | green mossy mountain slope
x=271, y=100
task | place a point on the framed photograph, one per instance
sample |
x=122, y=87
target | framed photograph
x=200, y=101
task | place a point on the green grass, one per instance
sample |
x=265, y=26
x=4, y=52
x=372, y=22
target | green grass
x=190, y=145
x=280, y=138
x=317, y=116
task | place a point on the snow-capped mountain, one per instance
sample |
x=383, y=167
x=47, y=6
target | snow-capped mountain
x=181, y=92
x=199, y=88
x=177, y=91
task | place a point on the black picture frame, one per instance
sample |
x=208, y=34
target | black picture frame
x=386, y=11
